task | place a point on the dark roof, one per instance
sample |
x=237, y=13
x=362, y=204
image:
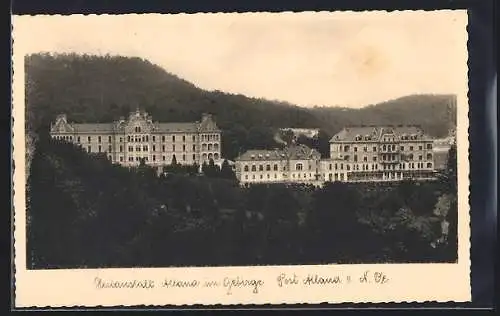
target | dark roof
x=93, y=127
x=289, y=153
x=177, y=127
x=375, y=132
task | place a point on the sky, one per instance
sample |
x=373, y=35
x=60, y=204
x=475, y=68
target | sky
x=309, y=59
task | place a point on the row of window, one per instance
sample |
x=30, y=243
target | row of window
x=210, y=137
x=346, y=148
x=275, y=176
x=131, y=138
x=275, y=167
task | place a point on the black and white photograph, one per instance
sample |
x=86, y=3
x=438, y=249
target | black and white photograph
x=240, y=140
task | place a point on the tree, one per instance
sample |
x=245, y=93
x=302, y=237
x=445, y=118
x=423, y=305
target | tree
x=226, y=171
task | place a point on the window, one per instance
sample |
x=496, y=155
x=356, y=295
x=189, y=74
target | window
x=154, y=157
x=429, y=156
x=355, y=149
x=348, y=167
x=254, y=168
x=420, y=157
x=374, y=148
x=173, y=138
x=121, y=158
x=341, y=166
x=384, y=148
x=146, y=148
x=420, y=147
x=346, y=148
x=209, y=147
x=216, y=146
x=402, y=148
x=194, y=157
x=128, y=138
x=298, y=166
x=429, y=165
x=163, y=138
x=374, y=158
x=121, y=148
x=355, y=157
x=88, y=139
x=275, y=167
x=99, y=139
x=194, y=147
x=130, y=158
x=183, y=138
x=137, y=148
x=109, y=139
x=411, y=148
x=429, y=146
x=163, y=158
x=89, y=149
x=268, y=167
x=100, y=148
x=194, y=138
x=109, y=148
x=365, y=158
x=204, y=156
x=121, y=139
x=204, y=147
x=335, y=166
x=261, y=168
x=184, y=157
x=183, y=147
x=173, y=147
x=130, y=148
x=143, y=138
x=365, y=149
x=245, y=168
x=78, y=138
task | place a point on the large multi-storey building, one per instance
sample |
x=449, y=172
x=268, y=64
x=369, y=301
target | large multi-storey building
x=357, y=154
x=128, y=141
x=379, y=153
x=298, y=164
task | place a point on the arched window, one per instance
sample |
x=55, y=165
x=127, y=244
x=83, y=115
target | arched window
x=210, y=156
x=429, y=156
x=245, y=168
x=209, y=147
x=204, y=156
x=204, y=147
x=384, y=148
x=429, y=165
x=216, y=146
x=216, y=156
x=254, y=168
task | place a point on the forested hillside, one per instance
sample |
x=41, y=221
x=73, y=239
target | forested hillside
x=85, y=212
x=92, y=88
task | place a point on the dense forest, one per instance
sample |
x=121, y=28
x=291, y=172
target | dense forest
x=83, y=211
x=92, y=88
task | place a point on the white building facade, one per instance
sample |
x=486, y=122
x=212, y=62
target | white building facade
x=128, y=141
x=295, y=164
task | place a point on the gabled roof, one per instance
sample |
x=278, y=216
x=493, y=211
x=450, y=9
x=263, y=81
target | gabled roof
x=296, y=152
x=373, y=133
x=93, y=127
x=176, y=127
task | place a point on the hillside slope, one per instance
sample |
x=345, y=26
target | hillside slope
x=92, y=88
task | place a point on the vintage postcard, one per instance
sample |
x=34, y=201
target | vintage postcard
x=257, y=158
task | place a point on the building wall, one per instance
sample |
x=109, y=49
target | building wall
x=380, y=161
x=137, y=141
